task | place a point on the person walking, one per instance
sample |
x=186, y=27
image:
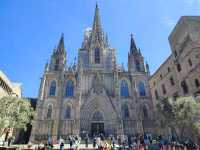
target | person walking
x=94, y=142
x=9, y=141
x=70, y=142
x=86, y=141
x=113, y=141
x=61, y=146
x=106, y=146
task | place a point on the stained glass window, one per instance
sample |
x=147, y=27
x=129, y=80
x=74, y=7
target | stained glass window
x=70, y=88
x=124, y=89
x=52, y=91
x=125, y=111
x=97, y=55
x=67, y=112
x=141, y=89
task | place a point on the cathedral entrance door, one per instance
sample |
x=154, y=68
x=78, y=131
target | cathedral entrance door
x=97, y=128
x=97, y=124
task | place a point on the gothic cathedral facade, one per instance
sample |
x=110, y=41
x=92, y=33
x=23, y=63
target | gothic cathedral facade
x=94, y=95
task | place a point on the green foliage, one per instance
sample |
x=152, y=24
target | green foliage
x=182, y=115
x=15, y=113
x=165, y=113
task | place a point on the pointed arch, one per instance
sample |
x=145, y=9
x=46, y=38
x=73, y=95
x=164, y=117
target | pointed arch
x=137, y=65
x=67, y=113
x=125, y=111
x=141, y=89
x=97, y=55
x=69, y=89
x=49, y=111
x=97, y=116
x=52, y=90
x=124, y=90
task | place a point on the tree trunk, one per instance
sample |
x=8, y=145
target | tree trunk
x=181, y=132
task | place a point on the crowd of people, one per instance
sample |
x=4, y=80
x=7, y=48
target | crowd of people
x=136, y=142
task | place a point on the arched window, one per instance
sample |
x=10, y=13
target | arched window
x=97, y=116
x=137, y=64
x=49, y=112
x=67, y=114
x=145, y=112
x=97, y=55
x=197, y=83
x=56, y=64
x=141, y=89
x=70, y=88
x=125, y=111
x=184, y=87
x=52, y=91
x=124, y=89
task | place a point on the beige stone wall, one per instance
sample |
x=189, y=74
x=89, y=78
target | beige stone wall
x=185, y=45
x=17, y=89
x=162, y=77
x=95, y=97
x=8, y=88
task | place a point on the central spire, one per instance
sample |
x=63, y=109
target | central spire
x=97, y=33
x=97, y=20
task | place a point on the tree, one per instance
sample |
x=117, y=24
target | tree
x=15, y=113
x=181, y=115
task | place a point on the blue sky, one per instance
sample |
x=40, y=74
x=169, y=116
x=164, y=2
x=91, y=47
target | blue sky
x=30, y=29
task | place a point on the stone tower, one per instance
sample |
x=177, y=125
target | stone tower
x=58, y=58
x=135, y=58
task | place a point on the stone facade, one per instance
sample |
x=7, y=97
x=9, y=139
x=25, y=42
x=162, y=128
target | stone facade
x=94, y=95
x=179, y=75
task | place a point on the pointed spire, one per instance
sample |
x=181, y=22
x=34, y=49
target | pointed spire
x=97, y=20
x=97, y=33
x=106, y=40
x=46, y=66
x=147, y=69
x=133, y=48
x=61, y=45
x=139, y=51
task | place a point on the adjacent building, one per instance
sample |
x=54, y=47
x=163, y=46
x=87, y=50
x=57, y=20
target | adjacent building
x=179, y=75
x=9, y=88
x=94, y=95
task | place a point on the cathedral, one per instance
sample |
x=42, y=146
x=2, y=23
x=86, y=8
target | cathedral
x=95, y=94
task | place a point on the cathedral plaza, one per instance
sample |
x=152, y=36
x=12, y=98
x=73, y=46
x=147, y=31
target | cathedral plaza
x=95, y=103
